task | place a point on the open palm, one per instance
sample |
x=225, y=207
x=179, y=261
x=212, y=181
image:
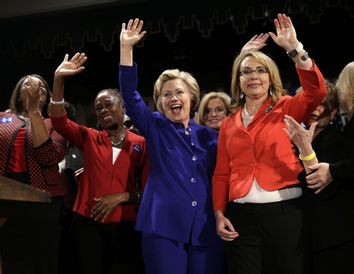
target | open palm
x=72, y=66
x=131, y=33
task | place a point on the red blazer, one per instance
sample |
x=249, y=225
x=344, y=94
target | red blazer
x=41, y=162
x=100, y=176
x=263, y=150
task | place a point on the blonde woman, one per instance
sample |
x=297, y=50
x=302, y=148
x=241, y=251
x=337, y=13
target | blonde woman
x=213, y=108
x=175, y=216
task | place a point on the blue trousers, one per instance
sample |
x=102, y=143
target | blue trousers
x=165, y=256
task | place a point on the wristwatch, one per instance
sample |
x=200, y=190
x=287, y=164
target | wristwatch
x=305, y=56
x=295, y=52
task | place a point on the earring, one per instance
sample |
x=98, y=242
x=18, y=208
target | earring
x=271, y=91
x=242, y=95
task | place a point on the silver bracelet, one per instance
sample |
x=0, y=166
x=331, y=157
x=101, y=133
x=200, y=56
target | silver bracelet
x=62, y=102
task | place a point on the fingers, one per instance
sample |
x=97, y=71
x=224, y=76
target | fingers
x=314, y=180
x=320, y=189
x=226, y=231
x=313, y=127
x=283, y=22
x=293, y=123
x=277, y=25
x=78, y=59
x=99, y=212
x=130, y=23
x=140, y=26
x=99, y=215
x=133, y=25
x=263, y=37
x=254, y=37
x=227, y=235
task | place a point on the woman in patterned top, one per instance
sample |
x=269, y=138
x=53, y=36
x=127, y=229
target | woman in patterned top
x=30, y=151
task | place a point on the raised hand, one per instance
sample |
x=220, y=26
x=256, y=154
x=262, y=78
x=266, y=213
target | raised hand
x=300, y=136
x=255, y=43
x=72, y=66
x=34, y=95
x=131, y=33
x=286, y=34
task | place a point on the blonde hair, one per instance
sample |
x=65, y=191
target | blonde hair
x=345, y=85
x=200, y=117
x=186, y=77
x=276, y=86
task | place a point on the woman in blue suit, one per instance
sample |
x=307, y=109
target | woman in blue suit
x=175, y=216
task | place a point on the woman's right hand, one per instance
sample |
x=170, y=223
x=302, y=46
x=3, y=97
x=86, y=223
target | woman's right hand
x=72, y=66
x=257, y=42
x=224, y=228
x=33, y=95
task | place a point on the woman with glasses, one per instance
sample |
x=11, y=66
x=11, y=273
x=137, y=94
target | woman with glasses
x=256, y=193
x=216, y=105
x=213, y=108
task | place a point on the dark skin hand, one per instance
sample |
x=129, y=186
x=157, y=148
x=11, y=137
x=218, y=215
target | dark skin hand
x=104, y=205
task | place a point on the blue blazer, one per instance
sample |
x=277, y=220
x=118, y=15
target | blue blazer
x=177, y=202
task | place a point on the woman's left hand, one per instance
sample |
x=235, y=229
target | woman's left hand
x=286, y=34
x=72, y=66
x=104, y=205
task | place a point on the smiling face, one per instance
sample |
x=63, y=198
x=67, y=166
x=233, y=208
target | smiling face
x=254, y=79
x=215, y=112
x=176, y=101
x=109, y=110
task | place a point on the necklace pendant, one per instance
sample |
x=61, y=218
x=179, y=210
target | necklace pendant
x=120, y=142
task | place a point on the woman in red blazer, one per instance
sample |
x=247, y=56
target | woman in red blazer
x=110, y=187
x=255, y=186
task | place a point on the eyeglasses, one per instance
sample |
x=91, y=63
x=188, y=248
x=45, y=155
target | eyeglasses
x=247, y=72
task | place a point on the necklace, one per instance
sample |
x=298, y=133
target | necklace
x=120, y=141
x=246, y=117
